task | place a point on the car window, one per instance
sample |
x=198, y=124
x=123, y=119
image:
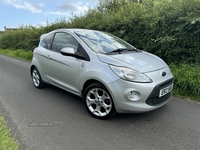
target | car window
x=46, y=42
x=62, y=40
x=102, y=42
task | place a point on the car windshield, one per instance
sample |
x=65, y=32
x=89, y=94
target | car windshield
x=102, y=42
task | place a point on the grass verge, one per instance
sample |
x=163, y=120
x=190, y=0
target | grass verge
x=186, y=76
x=186, y=81
x=22, y=54
x=6, y=140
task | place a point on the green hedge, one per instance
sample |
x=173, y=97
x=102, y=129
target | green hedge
x=167, y=28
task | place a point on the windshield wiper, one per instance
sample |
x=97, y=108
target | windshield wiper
x=120, y=50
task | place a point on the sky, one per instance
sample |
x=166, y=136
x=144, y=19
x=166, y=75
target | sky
x=17, y=13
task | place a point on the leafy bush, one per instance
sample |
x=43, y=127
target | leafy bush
x=167, y=28
x=24, y=38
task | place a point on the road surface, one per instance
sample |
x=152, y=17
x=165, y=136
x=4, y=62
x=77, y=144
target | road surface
x=52, y=119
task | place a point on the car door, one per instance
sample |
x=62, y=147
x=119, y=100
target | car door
x=63, y=71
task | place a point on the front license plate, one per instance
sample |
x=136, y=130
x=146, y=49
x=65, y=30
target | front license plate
x=166, y=90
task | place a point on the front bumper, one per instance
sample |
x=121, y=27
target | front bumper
x=147, y=94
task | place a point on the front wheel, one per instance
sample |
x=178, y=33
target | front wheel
x=98, y=101
x=36, y=78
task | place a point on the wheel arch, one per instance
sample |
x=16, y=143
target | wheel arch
x=37, y=66
x=88, y=83
x=91, y=81
x=32, y=66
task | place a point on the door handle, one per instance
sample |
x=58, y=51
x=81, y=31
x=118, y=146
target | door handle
x=48, y=56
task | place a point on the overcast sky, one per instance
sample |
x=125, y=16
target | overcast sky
x=15, y=13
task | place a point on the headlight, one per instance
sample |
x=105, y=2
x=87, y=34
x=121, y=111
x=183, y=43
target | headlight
x=130, y=74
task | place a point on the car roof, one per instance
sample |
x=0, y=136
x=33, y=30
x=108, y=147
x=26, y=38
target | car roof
x=65, y=29
x=73, y=29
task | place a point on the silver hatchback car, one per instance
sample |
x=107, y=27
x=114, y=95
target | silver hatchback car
x=108, y=73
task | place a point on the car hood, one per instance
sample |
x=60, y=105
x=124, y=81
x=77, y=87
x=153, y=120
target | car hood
x=140, y=61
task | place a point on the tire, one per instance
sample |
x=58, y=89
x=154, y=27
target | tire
x=98, y=101
x=36, y=78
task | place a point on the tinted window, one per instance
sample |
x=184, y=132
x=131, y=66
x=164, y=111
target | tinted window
x=62, y=40
x=46, y=42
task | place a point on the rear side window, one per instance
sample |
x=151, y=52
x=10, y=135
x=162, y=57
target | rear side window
x=46, y=42
x=62, y=40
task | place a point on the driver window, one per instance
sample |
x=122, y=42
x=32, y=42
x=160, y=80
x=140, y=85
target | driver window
x=62, y=40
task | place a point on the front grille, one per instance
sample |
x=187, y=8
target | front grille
x=154, y=99
x=158, y=100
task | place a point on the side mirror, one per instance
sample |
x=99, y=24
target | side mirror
x=67, y=50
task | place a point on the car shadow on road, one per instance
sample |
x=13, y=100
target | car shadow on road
x=155, y=117
x=77, y=103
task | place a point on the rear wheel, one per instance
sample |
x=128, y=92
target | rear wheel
x=36, y=78
x=98, y=101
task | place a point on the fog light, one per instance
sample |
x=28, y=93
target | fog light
x=134, y=95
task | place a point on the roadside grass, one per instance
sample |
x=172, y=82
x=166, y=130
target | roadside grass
x=21, y=54
x=186, y=76
x=186, y=81
x=6, y=140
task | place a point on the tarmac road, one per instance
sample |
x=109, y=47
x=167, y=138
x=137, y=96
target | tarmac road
x=52, y=119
